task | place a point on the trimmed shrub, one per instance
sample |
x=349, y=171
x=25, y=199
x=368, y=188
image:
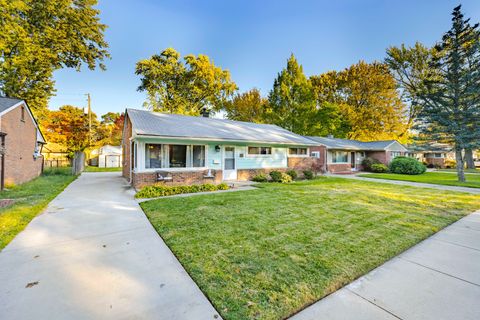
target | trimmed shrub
x=406, y=165
x=450, y=164
x=276, y=176
x=379, y=168
x=160, y=190
x=368, y=162
x=260, y=178
x=286, y=178
x=293, y=174
x=308, y=174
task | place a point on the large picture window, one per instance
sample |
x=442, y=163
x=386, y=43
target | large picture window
x=174, y=156
x=259, y=150
x=339, y=156
x=198, y=156
x=153, y=155
x=297, y=151
x=178, y=156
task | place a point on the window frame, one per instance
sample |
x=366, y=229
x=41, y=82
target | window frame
x=165, y=157
x=298, y=154
x=259, y=154
x=334, y=158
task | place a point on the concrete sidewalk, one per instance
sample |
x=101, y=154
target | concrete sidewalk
x=437, y=279
x=94, y=255
x=410, y=183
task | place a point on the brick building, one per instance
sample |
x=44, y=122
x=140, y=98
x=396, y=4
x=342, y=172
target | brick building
x=175, y=149
x=21, y=142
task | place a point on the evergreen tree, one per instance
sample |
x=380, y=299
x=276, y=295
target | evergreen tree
x=451, y=101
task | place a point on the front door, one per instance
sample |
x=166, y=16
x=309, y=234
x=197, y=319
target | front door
x=229, y=164
x=353, y=160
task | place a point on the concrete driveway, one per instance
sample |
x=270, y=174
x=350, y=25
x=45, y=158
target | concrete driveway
x=94, y=255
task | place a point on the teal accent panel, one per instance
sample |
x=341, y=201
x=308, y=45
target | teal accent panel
x=278, y=159
x=214, y=158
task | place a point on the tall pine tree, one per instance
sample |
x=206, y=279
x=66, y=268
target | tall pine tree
x=451, y=101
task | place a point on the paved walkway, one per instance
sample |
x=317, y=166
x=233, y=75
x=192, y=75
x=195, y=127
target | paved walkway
x=94, y=255
x=410, y=183
x=436, y=279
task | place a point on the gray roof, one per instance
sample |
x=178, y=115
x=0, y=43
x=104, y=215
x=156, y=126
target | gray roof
x=150, y=123
x=345, y=144
x=6, y=103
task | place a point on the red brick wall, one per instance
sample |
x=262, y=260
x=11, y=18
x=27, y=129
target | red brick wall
x=437, y=162
x=305, y=163
x=126, y=157
x=179, y=178
x=20, y=143
x=382, y=156
x=339, y=167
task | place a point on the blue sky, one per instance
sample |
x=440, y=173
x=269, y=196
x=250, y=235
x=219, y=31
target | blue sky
x=252, y=39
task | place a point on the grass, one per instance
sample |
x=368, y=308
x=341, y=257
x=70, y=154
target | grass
x=466, y=170
x=97, y=169
x=268, y=253
x=448, y=179
x=30, y=199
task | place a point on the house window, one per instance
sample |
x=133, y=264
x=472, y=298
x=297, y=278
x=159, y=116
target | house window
x=22, y=113
x=315, y=154
x=297, y=151
x=178, y=156
x=153, y=155
x=396, y=154
x=198, y=156
x=259, y=150
x=339, y=156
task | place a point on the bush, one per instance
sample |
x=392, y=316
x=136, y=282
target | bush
x=406, y=165
x=293, y=174
x=276, y=176
x=450, y=164
x=260, y=178
x=308, y=174
x=379, y=168
x=161, y=190
x=368, y=162
x=286, y=178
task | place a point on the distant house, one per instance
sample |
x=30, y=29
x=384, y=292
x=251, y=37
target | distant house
x=177, y=149
x=106, y=157
x=343, y=155
x=435, y=155
x=21, y=142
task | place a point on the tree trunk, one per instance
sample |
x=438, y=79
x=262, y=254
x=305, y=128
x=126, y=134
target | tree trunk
x=469, y=159
x=460, y=165
x=78, y=164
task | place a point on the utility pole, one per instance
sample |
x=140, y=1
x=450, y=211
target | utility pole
x=89, y=120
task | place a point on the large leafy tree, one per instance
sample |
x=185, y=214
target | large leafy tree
x=292, y=102
x=41, y=36
x=451, y=101
x=110, y=129
x=410, y=66
x=185, y=85
x=367, y=100
x=69, y=126
x=247, y=106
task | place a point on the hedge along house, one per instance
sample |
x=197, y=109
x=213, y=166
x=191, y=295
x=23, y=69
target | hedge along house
x=181, y=150
x=344, y=156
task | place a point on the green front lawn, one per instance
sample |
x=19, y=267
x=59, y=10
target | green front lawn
x=466, y=170
x=30, y=199
x=448, y=179
x=97, y=169
x=268, y=253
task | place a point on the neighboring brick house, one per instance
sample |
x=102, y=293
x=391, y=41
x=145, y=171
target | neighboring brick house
x=21, y=142
x=344, y=156
x=434, y=155
x=176, y=149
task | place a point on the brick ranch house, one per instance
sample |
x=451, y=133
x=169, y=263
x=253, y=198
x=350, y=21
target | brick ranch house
x=21, y=142
x=178, y=150
x=345, y=156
